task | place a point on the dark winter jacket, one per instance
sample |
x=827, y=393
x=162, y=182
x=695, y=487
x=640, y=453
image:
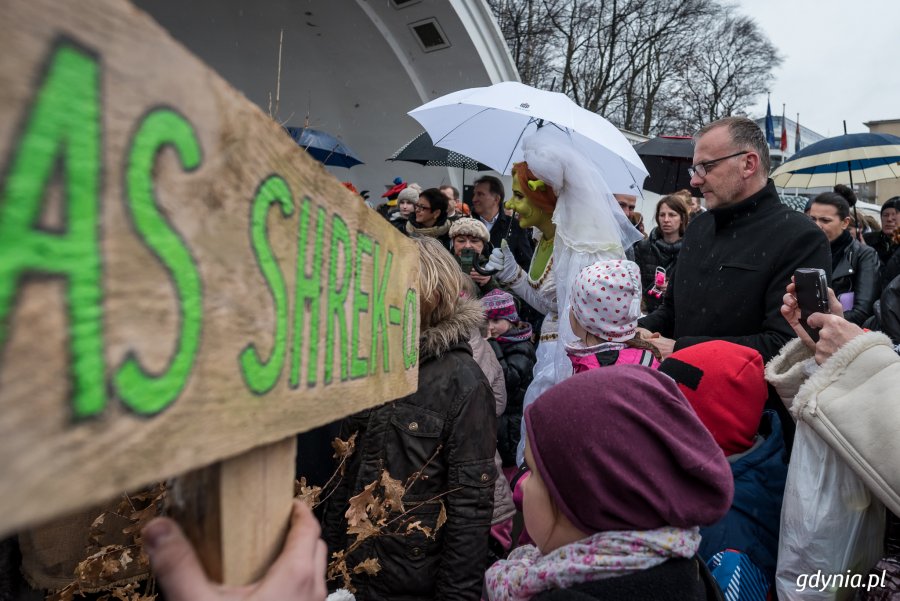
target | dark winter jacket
x=751, y=525
x=891, y=269
x=887, y=312
x=855, y=269
x=883, y=245
x=399, y=222
x=517, y=360
x=734, y=265
x=649, y=254
x=448, y=427
x=674, y=580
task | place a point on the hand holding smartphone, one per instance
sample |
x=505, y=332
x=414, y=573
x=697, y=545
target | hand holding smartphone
x=811, y=290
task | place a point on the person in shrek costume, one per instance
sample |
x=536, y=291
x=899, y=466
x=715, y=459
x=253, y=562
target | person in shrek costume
x=558, y=191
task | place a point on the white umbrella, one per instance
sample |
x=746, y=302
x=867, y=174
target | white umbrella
x=488, y=125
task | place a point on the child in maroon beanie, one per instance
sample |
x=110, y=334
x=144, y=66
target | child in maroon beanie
x=623, y=474
x=725, y=384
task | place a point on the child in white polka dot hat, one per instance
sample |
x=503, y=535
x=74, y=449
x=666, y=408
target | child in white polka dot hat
x=605, y=307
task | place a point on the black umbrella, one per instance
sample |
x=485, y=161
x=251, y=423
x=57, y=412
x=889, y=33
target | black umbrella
x=422, y=150
x=667, y=158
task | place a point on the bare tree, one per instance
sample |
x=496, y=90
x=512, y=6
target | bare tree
x=647, y=65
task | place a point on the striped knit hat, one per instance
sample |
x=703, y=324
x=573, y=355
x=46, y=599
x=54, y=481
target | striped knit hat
x=500, y=305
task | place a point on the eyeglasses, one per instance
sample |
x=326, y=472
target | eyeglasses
x=423, y=207
x=701, y=169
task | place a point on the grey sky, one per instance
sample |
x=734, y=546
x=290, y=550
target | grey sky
x=838, y=60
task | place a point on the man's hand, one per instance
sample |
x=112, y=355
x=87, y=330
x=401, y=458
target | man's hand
x=834, y=332
x=790, y=310
x=298, y=573
x=665, y=346
x=479, y=279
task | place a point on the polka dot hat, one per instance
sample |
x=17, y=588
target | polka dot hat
x=606, y=299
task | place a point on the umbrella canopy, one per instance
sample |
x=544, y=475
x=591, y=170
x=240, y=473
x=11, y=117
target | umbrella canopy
x=324, y=147
x=422, y=150
x=489, y=124
x=843, y=159
x=667, y=158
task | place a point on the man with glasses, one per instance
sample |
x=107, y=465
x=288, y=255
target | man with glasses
x=738, y=256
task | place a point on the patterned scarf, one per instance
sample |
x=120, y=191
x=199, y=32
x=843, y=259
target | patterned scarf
x=603, y=555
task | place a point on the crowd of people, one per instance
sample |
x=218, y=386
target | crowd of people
x=633, y=398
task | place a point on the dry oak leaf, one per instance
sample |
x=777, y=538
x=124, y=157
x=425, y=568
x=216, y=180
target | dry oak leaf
x=344, y=448
x=308, y=494
x=393, y=492
x=363, y=531
x=357, y=512
x=368, y=566
x=442, y=517
x=417, y=525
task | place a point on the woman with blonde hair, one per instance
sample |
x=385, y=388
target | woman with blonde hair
x=443, y=439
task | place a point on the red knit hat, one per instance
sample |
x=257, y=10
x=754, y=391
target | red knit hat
x=619, y=448
x=726, y=385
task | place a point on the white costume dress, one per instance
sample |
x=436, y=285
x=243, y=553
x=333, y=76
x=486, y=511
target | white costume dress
x=590, y=227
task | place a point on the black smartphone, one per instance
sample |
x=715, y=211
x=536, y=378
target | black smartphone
x=812, y=296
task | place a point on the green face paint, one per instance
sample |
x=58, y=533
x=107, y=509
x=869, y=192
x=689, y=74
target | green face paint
x=337, y=296
x=64, y=125
x=359, y=366
x=142, y=392
x=410, y=319
x=379, y=311
x=261, y=375
x=308, y=291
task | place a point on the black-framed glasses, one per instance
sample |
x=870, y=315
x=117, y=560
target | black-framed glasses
x=420, y=207
x=701, y=169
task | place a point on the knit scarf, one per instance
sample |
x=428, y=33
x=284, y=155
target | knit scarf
x=519, y=333
x=603, y=555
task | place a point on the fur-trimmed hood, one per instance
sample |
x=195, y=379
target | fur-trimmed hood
x=438, y=339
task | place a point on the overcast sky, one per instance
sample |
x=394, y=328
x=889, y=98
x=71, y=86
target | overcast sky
x=840, y=60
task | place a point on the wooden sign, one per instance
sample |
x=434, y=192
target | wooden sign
x=179, y=282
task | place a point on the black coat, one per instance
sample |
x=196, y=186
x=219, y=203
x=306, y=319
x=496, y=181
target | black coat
x=452, y=419
x=855, y=269
x=734, y=265
x=887, y=312
x=883, y=245
x=649, y=254
x=517, y=360
x=891, y=269
x=674, y=580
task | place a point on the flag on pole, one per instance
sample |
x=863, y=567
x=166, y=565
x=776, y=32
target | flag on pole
x=783, y=131
x=770, y=125
x=797, y=135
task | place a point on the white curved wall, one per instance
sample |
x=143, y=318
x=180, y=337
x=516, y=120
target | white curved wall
x=355, y=65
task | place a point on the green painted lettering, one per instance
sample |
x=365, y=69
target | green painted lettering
x=261, y=375
x=337, y=296
x=308, y=292
x=359, y=366
x=379, y=310
x=142, y=392
x=410, y=340
x=64, y=126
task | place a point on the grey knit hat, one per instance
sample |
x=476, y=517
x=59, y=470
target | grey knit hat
x=408, y=194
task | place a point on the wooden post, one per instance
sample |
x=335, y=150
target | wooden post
x=236, y=511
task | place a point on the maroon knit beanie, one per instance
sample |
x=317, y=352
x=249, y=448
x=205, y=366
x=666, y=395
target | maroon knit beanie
x=725, y=383
x=620, y=448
